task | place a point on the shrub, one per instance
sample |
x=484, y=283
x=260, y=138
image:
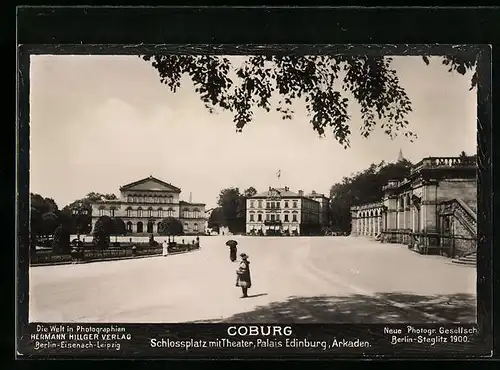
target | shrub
x=102, y=230
x=61, y=241
x=170, y=226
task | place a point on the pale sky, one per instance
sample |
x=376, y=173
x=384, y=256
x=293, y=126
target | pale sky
x=99, y=122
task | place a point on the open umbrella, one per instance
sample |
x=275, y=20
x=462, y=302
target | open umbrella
x=232, y=243
x=232, y=249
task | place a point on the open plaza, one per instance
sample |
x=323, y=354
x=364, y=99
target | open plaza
x=294, y=280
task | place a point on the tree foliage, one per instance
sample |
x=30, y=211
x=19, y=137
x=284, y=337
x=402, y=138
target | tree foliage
x=361, y=188
x=61, y=241
x=216, y=219
x=50, y=223
x=170, y=226
x=232, y=208
x=327, y=85
x=119, y=227
x=103, y=229
x=43, y=205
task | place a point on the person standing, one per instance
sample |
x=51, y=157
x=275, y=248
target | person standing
x=165, y=248
x=243, y=278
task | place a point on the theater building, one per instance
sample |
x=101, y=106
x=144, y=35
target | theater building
x=144, y=203
x=433, y=210
x=281, y=211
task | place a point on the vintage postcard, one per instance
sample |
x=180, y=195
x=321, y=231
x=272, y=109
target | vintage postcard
x=216, y=201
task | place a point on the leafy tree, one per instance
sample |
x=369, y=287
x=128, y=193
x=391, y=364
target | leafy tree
x=36, y=228
x=43, y=205
x=61, y=241
x=103, y=229
x=170, y=226
x=261, y=79
x=216, y=219
x=49, y=223
x=250, y=192
x=361, y=188
x=119, y=227
x=230, y=201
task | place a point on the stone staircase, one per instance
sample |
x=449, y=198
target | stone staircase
x=469, y=260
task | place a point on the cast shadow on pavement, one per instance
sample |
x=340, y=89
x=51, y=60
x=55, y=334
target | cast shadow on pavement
x=256, y=295
x=362, y=309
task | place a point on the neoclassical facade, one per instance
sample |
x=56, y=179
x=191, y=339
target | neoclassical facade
x=144, y=203
x=434, y=208
x=282, y=210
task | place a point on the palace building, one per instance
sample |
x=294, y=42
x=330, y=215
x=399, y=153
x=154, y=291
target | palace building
x=281, y=211
x=144, y=203
x=433, y=210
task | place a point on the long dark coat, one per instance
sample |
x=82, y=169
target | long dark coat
x=232, y=253
x=243, y=278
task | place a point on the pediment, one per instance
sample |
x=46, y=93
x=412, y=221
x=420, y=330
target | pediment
x=150, y=184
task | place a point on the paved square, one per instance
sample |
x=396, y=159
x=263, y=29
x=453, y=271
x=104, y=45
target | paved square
x=294, y=280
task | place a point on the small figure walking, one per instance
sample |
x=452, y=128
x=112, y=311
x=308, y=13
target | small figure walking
x=243, y=278
x=165, y=248
x=233, y=250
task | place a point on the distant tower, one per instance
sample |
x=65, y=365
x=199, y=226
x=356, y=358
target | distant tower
x=400, y=156
x=190, y=197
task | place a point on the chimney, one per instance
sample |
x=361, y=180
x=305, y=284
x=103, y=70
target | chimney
x=301, y=193
x=190, y=197
x=313, y=192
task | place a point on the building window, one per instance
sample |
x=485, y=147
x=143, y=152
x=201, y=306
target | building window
x=139, y=212
x=267, y=216
x=129, y=212
x=252, y=203
x=129, y=199
x=278, y=217
x=160, y=212
x=112, y=212
x=135, y=200
x=268, y=205
x=260, y=203
x=101, y=212
x=286, y=218
x=272, y=217
x=278, y=205
x=286, y=204
x=186, y=226
x=251, y=217
x=196, y=213
x=156, y=199
x=294, y=217
x=170, y=212
x=294, y=204
x=195, y=227
x=150, y=212
x=259, y=217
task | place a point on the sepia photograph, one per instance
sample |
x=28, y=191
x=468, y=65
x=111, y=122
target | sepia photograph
x=259, y=188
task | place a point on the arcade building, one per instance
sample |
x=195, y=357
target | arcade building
x=433, y=210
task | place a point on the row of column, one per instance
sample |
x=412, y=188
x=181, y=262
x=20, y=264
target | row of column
x=369, y=225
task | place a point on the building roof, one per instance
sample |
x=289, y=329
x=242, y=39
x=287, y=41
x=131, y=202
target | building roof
x=162, y=185
x=282, y=192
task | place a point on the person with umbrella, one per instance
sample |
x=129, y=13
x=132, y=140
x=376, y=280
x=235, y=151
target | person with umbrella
x=243, y=278
x=232, y=249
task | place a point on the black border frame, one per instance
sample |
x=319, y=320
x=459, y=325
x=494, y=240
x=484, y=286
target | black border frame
x=45, y=19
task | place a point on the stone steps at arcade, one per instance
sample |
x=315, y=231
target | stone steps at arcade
x=470, y=260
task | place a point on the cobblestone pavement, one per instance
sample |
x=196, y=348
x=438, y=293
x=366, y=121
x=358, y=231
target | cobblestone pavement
x=316, y=279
